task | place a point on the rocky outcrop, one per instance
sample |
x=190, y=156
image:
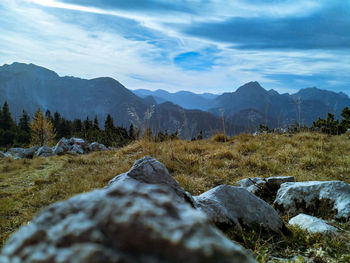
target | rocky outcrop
x=324, y=199
x=313, y=225
x=235, y=207
x=3, y=155
x=265, y=188
x=125, y=222
x=148, y=170
x=44, y=151
x=64, y=146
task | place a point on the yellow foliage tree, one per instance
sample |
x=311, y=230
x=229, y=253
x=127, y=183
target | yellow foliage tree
x=42, y=129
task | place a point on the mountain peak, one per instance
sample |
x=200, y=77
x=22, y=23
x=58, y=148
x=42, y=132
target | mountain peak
x=18, y=67
x=251, y=88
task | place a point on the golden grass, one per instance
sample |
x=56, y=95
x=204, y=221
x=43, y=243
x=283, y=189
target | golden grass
x=27, y=186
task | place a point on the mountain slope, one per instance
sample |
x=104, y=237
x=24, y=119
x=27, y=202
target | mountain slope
x=251, y=104
x=28, y=87
x=185, y=99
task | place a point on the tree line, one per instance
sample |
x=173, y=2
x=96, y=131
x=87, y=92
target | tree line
x=329, y=125
x=48, y=128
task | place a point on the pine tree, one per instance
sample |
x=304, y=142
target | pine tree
x=42, y=129
x=96, y=126
x=109, y=125
x=131, y=132
x=7, y=127
x=6, y=122
x=23, y=134
x=345, y=122
x=24, y=122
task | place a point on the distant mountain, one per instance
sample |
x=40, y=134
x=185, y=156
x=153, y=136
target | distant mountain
x=185, y=99
x=28, y=87
x=277, y=110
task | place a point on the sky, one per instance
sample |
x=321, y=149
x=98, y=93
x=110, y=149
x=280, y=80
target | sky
x=196, y=45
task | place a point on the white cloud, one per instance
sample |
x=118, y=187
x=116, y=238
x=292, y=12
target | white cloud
x=34, y=34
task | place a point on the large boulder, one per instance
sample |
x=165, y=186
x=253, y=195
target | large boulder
x=265, y=188
x=77, y=149
x=235, y=207
x=16, y=153
x=324, y=199
x=62, y=146
x=29, y=153
x=95, y=146
x=44, y=151
x=3, y=155
x=126, y=222
x=313, y=225
x=148, y=170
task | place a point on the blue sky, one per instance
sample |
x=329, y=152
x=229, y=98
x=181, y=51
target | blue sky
x=198, y=45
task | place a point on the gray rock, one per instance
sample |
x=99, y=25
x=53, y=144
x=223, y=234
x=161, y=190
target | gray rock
x=252, y=184
x=313, y=224
x=44, y=151
x=127, y=222
x=95, y=146
x=148, y=170
x=3, y=155
x=230, y=206
x=16, y=153
x=78, y=149
x=30, y=152
x=315, y=198
x=77, y=141
x=265, y=188
x=62, y=146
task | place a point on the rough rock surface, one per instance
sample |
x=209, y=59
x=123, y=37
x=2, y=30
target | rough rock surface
x=44, y=151
x=16, y=152
x=2, y=155
x=148, y=170
x=313, y=224
x=265, y=188
x=126, y=222
x=78, y=149
x=62, y=146
x=315, y=198
x=30, y=152
x=95, y=146
x=230, y=206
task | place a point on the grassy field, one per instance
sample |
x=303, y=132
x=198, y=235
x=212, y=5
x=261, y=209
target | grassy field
x=27, y=186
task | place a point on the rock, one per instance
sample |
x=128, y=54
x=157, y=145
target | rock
x=252, y=184
x=265, y=188
x=30, y=152
x=77, y=141
x=126, y=222
x=78, y=149
x=316, y=198
x=313, y=224
x=148, y=170
x=62, y=146
x=44, y=151
x=95, y=146
x=230, y=206
x=3, y=155
x=16, y=153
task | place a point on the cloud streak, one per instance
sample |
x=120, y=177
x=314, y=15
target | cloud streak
x=202, y=46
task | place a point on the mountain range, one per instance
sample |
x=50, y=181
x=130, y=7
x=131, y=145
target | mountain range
x=28, y=87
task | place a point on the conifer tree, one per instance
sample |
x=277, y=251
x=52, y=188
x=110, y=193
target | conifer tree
x=23, y=134
x=109, y=125
x=42, y=129
x=96, y=126
x=6, y=121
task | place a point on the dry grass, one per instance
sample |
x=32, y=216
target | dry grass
x=27, y=186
